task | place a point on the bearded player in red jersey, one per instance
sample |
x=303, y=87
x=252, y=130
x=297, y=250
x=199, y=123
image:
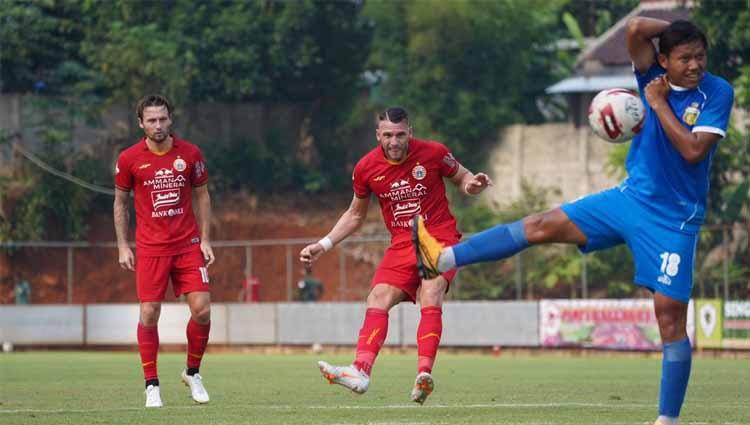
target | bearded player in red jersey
x=406, y=175
x=164, y=173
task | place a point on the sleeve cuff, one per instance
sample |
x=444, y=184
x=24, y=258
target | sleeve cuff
x=707, y=129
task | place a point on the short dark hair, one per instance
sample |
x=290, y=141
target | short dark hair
x=680, y=32
x=152, y=100
x=394, y=115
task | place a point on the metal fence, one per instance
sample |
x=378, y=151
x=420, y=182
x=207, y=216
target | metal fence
x=268, y=271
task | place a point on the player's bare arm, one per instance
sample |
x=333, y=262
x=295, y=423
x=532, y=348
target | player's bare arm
x=349, y=222
x=639, y=34
x=469, y=183
x=122, y=218
x=203, y=211
x=692, y=146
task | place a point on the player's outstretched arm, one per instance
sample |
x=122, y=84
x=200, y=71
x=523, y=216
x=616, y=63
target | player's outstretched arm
x=203, y=207
x=469, y=183
x=349, y=222
x=639, y=33
x=122, y=218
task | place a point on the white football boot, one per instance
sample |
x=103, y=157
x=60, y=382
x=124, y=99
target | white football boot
x=197, y=390
x=423, y=387
x=153, y=396
x=347, y=376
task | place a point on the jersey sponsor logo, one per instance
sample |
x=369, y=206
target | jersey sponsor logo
x=401, y=192
x=163, y=173
x=164, y=198
x=195, y=240
x=143, y=166
x=690, y=116
x=165, y=180
x=167, y=213
x=179, y=164
x=407, y=208
x=398, y=184
x=378, y=178
x=419, y=172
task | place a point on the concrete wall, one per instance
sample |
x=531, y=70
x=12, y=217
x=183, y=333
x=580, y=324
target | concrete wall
x=465, y=324
x=47, y=324
x=557, y=156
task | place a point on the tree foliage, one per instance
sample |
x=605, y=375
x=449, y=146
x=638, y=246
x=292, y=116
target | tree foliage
x=465, y=68
x=85, y=55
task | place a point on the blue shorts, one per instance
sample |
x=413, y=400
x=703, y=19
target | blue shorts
x=663, y=254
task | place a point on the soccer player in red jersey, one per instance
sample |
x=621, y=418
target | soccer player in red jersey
x=164, y=173
x=406, y=175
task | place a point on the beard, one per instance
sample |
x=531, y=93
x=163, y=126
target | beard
x=158, y=137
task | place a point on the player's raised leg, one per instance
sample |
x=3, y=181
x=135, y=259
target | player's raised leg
x=197, y=331
x=495, y=243
x=677, y=357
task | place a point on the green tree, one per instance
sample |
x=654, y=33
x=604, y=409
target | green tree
x=465, y=68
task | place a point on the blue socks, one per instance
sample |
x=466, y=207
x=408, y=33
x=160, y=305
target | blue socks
x=496, y=243
x=675, y=372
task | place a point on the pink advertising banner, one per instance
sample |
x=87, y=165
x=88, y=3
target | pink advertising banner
x=612, y=324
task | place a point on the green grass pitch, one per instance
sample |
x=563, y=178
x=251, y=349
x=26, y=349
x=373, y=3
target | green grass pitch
x=107, y=388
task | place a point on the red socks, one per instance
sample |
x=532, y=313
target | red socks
x=428, y=337
x=371, y=338
x=197, y=337
x=148, y=346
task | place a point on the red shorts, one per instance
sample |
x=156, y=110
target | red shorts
x=399, y=268
x=188, y=272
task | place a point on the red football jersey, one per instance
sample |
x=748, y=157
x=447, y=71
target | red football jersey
x=414, y=186
x=163, y=187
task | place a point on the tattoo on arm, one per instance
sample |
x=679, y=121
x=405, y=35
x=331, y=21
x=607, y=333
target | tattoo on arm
x=122, y=218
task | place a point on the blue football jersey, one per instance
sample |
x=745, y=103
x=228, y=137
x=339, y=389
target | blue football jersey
x=657, y=174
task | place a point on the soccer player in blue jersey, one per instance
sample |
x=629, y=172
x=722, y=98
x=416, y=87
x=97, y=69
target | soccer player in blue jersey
x=657, y=210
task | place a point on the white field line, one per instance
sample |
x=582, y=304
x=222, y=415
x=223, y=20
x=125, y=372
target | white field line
x=347, y=407
x=365, y=407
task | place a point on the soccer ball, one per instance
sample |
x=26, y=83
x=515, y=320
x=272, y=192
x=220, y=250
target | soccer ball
x=616, y=115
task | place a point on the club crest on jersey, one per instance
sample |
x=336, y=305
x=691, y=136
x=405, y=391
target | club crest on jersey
x=179, y=164
x=690, y=116
x=419, y=172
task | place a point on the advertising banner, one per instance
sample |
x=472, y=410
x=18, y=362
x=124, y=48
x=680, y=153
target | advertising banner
x=736, y=331
x=708, y=333
x=613, y=324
